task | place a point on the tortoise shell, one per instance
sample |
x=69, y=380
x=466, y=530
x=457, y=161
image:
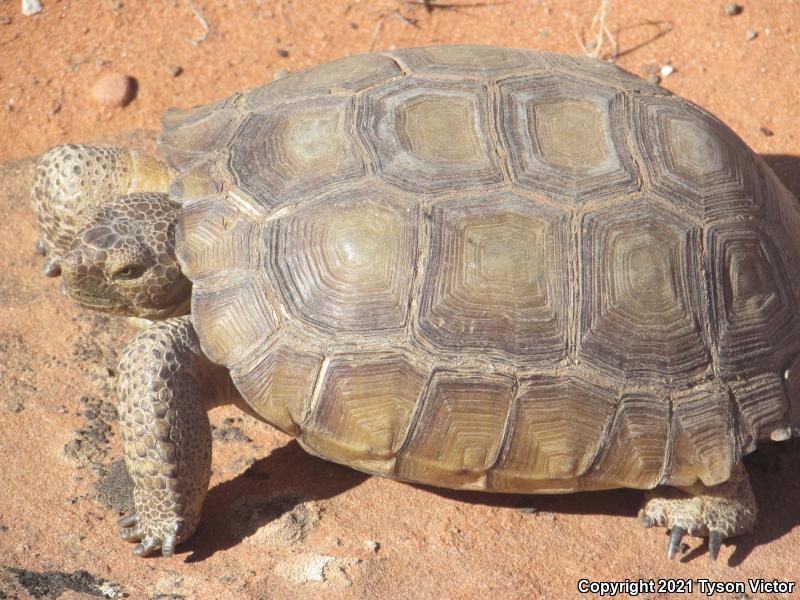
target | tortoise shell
x=492, y=269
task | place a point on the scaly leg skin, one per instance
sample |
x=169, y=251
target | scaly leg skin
x=719, y=512
x=165, y=387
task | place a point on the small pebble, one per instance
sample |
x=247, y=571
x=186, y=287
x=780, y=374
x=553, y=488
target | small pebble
x=766, y=131
x=751, y=35
x=667, y=70
x=373, y=545
x=5, y=21
x=732, y=9
x=654, y=78
x=282, y=52
x=31, y=7
x=114, y=89
x=175, y=70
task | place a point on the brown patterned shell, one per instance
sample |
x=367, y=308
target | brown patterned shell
x=493, y=269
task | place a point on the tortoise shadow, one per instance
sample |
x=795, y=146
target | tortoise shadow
x=773, y=473
x=288, y=476
x=292, y=476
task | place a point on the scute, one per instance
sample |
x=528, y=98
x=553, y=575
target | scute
x=557, y=429
x=345, y=262
x=459, y=432
x=694, y=160
x=233, y=317
x=755, y=322
x=459, y=62
x=424, y=136
x=642, y=278
x=703, y=436
x=762, y=404
x=565, y=138
x=364, y=410
x=277, y=381
x=284, y=152
x=341, y=77
x=636, y=444
x=214, y=237
x=191, y=135
x=497, y=279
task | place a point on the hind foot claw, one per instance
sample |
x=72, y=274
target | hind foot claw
x=716, y=512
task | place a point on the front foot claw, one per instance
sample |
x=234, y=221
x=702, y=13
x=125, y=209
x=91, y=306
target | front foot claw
x=148, y=540
x=717, y=512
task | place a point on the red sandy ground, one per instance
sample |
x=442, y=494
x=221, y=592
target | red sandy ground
x=429, y=544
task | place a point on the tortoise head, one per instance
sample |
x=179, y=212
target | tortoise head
x=122, y=260
x=71, y=179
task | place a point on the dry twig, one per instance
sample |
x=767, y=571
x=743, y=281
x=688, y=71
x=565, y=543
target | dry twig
x=593, y=47
x=200, y=17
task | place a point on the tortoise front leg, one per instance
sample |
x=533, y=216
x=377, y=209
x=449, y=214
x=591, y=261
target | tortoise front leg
x=165, y=387
x=719, y=512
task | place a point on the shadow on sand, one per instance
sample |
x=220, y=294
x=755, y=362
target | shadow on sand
x=298, y=477
x=787, y=168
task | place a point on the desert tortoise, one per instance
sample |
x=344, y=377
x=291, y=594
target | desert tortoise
x=470, y=267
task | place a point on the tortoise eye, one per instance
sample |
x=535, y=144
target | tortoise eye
x=129, y=272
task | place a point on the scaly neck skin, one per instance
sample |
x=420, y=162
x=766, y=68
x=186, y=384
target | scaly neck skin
x=122, y=260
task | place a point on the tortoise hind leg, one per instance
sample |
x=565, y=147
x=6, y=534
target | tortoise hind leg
x=719, y=512
x=165, y=387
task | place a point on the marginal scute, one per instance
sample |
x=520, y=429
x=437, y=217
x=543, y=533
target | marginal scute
x=189, y=135
x=642, y=278
x=213, y=237
x=703, y=437
x=756, y=323
x=364, y=410
x=791, y=377
x=345, y=262
x=565, y=138
x=197, y=181
x=693, y=159
x=497, y=278
x=277, y=381
x=233, y=317
x=762, y=404
x=458, y=433
x=599, y=71
x=282, y=153
x=636, y=442
x=557, y=429
x=480, y=62
x=426, y=136
x=344, y=76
